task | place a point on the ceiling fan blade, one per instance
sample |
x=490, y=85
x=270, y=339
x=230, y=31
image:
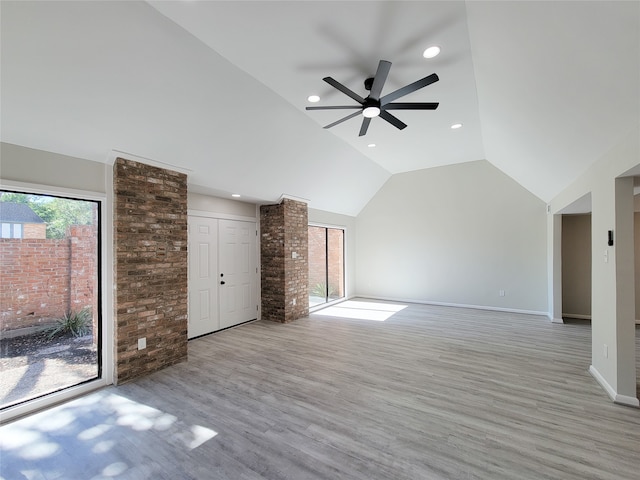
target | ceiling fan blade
x=343, y=119
x=412, y=87
x=395, y=121
x=410, y=106
x=365, y=126
x=343, y=89
x=379, y=79
x=333, y=107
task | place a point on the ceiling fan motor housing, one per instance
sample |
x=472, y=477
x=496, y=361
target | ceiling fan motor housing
x=368, y=83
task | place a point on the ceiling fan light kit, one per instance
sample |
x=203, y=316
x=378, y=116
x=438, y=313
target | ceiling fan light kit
x=375, y=105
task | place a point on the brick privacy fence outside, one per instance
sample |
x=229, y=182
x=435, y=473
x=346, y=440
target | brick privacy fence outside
x=42, y=279
x=151, y=268
x=284, y=231
x=318, y=260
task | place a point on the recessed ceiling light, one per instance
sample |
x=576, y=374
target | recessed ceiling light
x=456, y=126
x=371, y=145
x=235, y=195
x=313, y=98
x=431, y=52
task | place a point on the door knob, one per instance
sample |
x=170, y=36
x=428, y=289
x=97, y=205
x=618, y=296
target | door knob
x=222, y=282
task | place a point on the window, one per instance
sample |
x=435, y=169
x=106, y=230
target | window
x=326, y=264
x=50, y=337
x=11, y=230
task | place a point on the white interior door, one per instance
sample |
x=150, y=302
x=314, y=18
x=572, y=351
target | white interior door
x=203, y=276
x=238, y=272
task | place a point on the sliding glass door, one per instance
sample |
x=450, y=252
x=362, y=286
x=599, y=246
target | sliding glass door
x=326, y=264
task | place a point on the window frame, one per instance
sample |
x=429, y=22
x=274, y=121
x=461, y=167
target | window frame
x=344, y=265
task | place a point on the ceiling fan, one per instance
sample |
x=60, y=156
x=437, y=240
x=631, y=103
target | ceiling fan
x=374, y=105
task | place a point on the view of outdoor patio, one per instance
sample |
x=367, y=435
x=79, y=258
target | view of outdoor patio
x=49, y=326
x=326, y=265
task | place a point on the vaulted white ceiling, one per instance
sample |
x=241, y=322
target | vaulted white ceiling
x=220, y=88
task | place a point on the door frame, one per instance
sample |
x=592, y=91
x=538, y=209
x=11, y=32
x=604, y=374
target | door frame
x=105, y=295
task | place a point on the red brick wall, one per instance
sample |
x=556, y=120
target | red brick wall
x=84, y=269
x=42, y=279
x=150, y=268
x=336, y=263
x=34, y=230
x=317, y=256
x=272, y=262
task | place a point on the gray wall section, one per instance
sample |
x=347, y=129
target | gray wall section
x=28, y=165
x=458, y=234
x=576, y=266
x=206, y=203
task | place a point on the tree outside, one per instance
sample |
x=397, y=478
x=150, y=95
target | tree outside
x=58, y=213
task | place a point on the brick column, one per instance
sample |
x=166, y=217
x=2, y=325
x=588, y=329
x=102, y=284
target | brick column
x=284, y=256
x=150, y=268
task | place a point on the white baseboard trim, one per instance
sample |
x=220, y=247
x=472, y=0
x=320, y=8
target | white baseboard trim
x=555, y=320
x=616, y=397
x=579, y=316
x=458, y=305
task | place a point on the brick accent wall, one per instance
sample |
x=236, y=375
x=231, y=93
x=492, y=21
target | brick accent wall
x=150, y=268
x=284, y=231
x=42, y=279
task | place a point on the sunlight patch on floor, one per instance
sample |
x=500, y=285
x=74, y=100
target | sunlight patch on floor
x=360, y=310
x=93, y=423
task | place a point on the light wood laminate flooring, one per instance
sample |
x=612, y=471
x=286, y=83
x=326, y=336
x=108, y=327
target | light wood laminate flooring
x=429, y=393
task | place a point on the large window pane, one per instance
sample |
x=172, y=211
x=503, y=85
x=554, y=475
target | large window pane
x=49, y=329
x=326, y=265
x=317, y=265
x=335, y=263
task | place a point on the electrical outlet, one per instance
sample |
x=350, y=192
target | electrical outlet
x=142, y=343
x=501, y=292
x=605, y=351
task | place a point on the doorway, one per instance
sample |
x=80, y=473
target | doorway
x=576, y=266
x=223, y=274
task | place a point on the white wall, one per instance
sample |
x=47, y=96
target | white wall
x=348, y=223
x=456, y=235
